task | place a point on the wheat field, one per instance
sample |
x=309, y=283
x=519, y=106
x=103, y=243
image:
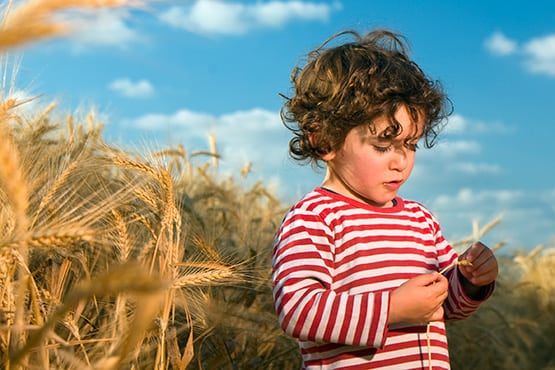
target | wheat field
x=113, y=259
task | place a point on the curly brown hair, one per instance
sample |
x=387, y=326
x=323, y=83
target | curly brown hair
x=353, y=84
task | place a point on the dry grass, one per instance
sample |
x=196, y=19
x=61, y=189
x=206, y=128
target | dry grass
x=516, y=328
x=88, y=212
x=76, y=213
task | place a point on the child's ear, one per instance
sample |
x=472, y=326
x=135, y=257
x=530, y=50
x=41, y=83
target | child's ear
x=328, y=156
x=313, y=140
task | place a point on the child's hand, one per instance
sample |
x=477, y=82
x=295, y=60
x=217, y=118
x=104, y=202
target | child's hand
x=419, y=300
x=484, y=267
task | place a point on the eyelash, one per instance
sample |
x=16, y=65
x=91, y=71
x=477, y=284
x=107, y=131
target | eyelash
x=382, y=149
x=385, y=149
x=412, y=147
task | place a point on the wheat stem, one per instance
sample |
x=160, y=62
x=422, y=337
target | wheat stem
x=456, y=263
x=428, y=339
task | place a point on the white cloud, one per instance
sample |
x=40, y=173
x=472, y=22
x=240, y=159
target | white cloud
x=128, y=88
x=456, y=124
x=217, y=17
x=27, y=104
x=196, y=124
x=468, y=168
x=550, y=196
x=499, y=44
x=549, y=199
x=278, y=13
x=462, y=125
x=255, y=136
x=254, y=120
x=468, y=197
x=542, y=55
x=448, y=149
x=525, y=219
x=539, y=52
x=103, y=27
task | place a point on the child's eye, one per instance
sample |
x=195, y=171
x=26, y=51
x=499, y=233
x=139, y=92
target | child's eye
x=382, y=149
x=411, y=146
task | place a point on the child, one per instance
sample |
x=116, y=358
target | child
x=356, y=267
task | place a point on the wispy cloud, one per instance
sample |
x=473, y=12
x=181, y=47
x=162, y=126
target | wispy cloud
x=500, y=44
x=458, y=160
x=449, y=149
x=470, y=168
x=539, y=52
x=217, y=17
x=193, y=123
x=255, y=135
x=515, y=206
x=469, y=197
x=459, y=124
x=103, y=28
x=131, y=89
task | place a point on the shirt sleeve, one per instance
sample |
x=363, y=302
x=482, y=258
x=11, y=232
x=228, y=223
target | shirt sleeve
x=458, y=304
x=307, y=306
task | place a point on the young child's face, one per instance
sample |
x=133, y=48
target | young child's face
x=371, y=169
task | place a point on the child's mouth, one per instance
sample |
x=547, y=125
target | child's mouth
x=393, y=184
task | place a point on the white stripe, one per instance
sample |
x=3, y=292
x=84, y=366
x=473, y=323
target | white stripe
x=355, y=318
x=376, y=287
x=383, y=313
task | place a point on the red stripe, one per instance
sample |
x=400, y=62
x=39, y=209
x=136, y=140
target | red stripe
x=346, y=323
x=301, y=317
x=320, y=310
x=331, y=323
x=361, y=322
x=376, y=313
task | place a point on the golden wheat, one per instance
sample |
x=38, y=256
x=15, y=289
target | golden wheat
x=126, y=278
x=35, y=19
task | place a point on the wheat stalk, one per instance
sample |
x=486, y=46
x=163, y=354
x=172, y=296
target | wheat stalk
x=477, y=232
x=15, y=186
x=122, y=237
x=34, y=19
x=428, y=337
x=456, y=263
x=47, y=199
x=50, y=241
x=166, y=250
x=128, y=278
x=203, y=278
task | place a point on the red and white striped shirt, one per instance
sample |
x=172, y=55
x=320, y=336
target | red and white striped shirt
x=335, y=263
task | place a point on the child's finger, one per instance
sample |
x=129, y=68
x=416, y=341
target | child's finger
x=484, y=261
x=438, y=314
x=474, y=251
x=483, y=271
x=427, y=279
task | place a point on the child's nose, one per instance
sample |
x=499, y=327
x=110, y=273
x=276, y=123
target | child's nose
x=399, y=159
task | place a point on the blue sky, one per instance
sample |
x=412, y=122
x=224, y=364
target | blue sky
x=174, y=72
